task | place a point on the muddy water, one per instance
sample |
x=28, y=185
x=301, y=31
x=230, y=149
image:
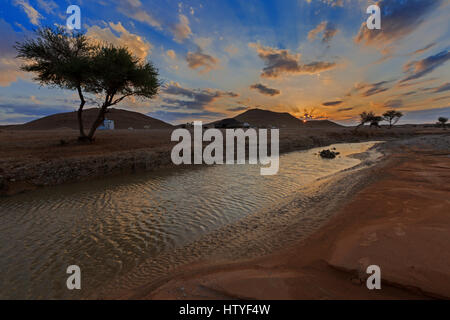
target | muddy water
x=109, y=226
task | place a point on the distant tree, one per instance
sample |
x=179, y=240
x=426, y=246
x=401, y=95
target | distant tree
x=69, y=61
x=59, y=59
x=365, y=117
x=443, y=121
x=118, y=75
x=392, y=116
x=375, y=121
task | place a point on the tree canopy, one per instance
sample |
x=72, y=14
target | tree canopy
x=443, y=121
x=392, y=116
x=69, y=60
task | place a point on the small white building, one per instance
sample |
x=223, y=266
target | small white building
x=107, y=125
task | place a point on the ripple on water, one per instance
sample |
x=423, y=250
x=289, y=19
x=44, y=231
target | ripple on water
x=110, y=226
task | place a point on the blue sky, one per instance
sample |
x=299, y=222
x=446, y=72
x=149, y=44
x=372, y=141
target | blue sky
x=218, y=58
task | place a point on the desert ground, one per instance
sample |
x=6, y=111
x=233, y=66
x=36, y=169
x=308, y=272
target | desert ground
x=393, y=213
x=35, y=158
x=390, y=211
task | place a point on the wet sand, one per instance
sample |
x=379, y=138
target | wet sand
x=398, y=219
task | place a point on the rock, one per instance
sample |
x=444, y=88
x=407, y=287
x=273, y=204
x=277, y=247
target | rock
x=328, y=154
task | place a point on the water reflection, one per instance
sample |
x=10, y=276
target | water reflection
x=109, y=226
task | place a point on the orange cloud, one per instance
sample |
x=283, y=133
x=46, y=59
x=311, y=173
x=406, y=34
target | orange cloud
x=201, y=61
x=280, y=61
x=182, y=30
x=137, y=45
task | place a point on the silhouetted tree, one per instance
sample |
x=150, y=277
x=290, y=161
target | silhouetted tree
x=69, y=61
x=392, y=116
x=375, y=121
x=117, y=75
x=59, y=59
x=443, y=121
x=365, y=117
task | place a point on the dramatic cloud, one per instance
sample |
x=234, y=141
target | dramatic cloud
x=369, y=89
x=182, y=30
x=393, y=104
x=442, y=98
x=444, y=87
x=199, y=98
x=265, y=90
x=415, y=83
x=418, y=69
x=9, y=65
x=344, y=109
x=9, y=71
x=399, y=18
x=279, y=61
x=202, y=61
x=31, y=12
x=328, y=31
x=137, y=45
x=134, y=10
x=171, y=54
x=237, y=109
x=424, y=49
x=47, y=5
x=332, y=103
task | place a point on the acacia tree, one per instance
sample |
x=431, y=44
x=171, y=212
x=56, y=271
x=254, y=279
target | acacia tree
x=118, y=75
x=392, y=116
x=364, y=118
x=70, y=61
x=375, y=121
x=59, y=59
x=443, y=121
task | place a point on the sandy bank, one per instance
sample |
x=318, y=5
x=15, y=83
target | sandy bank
x=30, y=159
x=399, y=220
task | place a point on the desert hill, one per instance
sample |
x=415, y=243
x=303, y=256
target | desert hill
x=266, y=118
x=322, y=124
x=123, y=119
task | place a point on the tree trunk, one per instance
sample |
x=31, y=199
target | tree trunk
x=80, y=116
x=97, y=122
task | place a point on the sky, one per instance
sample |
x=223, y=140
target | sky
x=220, y=58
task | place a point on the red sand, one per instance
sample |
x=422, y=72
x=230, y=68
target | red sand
x=401, y=222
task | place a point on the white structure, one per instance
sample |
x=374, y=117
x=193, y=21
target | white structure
x=107, y=125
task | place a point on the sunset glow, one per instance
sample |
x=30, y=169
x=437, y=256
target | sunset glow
x=219, y=58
